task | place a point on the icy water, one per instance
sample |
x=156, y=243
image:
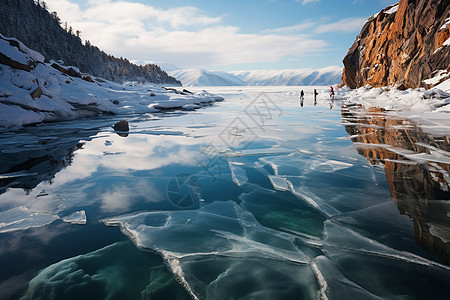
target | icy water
x=257, y=197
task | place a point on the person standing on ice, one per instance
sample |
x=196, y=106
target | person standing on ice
x=331, y=92
x=302, y=96
x=315, y=96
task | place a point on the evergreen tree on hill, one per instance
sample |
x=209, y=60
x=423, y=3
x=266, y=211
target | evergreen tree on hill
x=31, y=23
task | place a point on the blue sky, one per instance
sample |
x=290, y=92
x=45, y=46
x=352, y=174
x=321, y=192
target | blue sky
x=222, y=35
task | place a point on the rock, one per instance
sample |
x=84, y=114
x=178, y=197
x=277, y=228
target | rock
x=36, y=93
x=5, y=60
x=72, y=72
x=68, y=71
x=58, y=67
x=402, y=47
x=88, y=78
x=401, y=87
x=122, y=126
x=115, y=102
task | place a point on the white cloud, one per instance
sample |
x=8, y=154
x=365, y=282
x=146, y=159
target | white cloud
x=294, y=28
x=344, y=25
x=308, y=1
x=183, y=36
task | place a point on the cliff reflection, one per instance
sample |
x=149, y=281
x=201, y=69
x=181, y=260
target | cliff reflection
x=417, y=169
x=36, y=154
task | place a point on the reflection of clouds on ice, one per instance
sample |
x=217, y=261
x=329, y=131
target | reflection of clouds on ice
x=142, y=152
x=42, y=205
x=122, y=197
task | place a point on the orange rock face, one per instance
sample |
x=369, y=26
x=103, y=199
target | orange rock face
x=405, y=46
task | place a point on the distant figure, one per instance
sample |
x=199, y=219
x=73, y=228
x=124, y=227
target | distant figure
x=302, y=97
x=331, y=92
x=315, y=97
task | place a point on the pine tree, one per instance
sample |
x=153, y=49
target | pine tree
x=41, y=30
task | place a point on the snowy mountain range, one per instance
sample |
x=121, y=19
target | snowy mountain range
x=200, y=77
x=293, y=77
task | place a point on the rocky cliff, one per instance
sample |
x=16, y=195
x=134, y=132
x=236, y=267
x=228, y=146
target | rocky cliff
x=405, y=44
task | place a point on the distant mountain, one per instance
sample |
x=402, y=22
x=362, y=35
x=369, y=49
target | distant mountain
x=30, y=22
x=200, y=77
x=324, y=76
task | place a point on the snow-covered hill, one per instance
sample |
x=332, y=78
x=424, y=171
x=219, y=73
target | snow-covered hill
x=294, y=77
x=325, y=76
x=33, y=91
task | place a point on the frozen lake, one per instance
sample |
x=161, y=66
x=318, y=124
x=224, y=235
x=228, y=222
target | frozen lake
x=256, y=197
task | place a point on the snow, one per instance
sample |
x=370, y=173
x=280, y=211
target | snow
x=392, y=10
x=440, y=74
x=447, y=22
x=289, y=77
x=200, y=77
x=447, y=42
x=301, y=77
x=67, y=97
x=430, y=107
x=414, y=100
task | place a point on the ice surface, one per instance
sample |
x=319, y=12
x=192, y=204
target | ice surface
x=338, y=238
x=279, y=183
x=238, y=173
x=220, y=232
x=78, y=217
x=332, y=282
x=440, y=231
x=21, y=218
x=117, y=271
x=304, y=214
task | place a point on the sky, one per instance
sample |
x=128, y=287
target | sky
x=227, y=35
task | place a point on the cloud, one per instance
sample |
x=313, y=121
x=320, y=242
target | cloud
x=308, y=1
x=344, y=25
x=294, y=28
x=183, y=36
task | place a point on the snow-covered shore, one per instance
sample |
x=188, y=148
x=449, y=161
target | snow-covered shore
x=414, y=100
x=32, y=91
x=429, y=108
